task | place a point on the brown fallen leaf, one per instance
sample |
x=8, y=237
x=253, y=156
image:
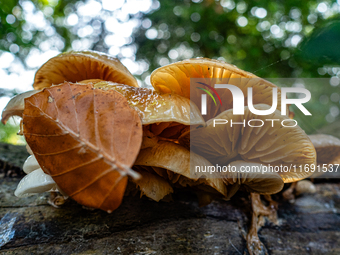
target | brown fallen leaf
x=86, y=139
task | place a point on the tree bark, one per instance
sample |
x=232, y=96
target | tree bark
x=30, y=225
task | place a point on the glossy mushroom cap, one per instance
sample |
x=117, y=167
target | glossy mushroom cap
x=176, y=78
x=167, y=115
x=270, y=143
x=74, y=66
x=155, y=107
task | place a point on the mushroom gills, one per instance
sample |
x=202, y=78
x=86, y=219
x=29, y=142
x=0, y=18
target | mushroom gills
x=174, y=163
x=268, y=144
x=254, y=180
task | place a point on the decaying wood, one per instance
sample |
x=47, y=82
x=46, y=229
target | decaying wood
x=139, y=226
x=11, y=159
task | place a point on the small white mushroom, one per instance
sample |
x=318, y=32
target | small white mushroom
x=35, y=182
x=16, y=105
x=30, y=164
x=305, y=187
x=29, y=150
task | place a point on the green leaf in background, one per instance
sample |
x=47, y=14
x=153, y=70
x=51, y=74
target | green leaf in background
x=8, y=134
x=323, y=46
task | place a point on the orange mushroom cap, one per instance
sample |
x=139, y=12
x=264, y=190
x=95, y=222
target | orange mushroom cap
x=177, y=77
x=74, y=66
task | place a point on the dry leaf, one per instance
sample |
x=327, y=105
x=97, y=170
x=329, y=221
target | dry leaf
x=86, y=139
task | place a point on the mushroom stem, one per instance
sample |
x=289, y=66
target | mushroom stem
x=254, y=244
x=288, y=194
x=56, y=199
x=272, y=204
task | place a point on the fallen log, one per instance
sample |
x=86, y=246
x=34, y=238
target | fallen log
x=30, y=225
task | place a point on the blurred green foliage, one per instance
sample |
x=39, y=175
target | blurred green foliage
x=14, y=29
x=323, y=46
x=8, y=134
x=253, y=47
x=273, y=39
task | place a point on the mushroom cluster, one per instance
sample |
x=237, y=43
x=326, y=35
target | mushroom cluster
x=173, y=135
